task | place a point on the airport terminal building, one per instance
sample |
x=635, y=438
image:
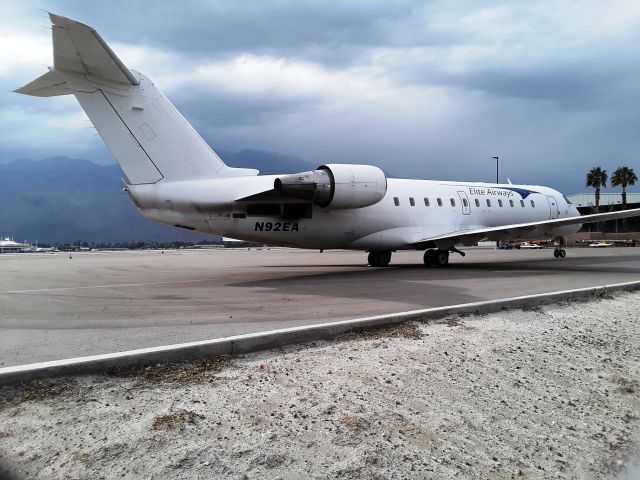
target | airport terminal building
x=8, y=245
x=609, y=202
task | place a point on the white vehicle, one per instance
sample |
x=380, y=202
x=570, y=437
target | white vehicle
x=174, y=177
x=530, y=246
x=601, y=244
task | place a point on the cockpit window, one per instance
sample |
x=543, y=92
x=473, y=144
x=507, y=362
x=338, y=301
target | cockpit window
x=567, y=200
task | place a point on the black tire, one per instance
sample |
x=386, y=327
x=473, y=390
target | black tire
x=430, y=258
x=556, y=253
x=442, y=258
x=563, y=253
x=379, y=258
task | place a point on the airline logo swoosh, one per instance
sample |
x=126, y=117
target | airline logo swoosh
x=523, y=192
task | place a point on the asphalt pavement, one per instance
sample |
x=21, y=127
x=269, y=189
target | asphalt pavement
x=54, y=307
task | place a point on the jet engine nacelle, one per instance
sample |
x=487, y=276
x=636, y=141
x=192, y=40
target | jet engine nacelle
x=337, y=186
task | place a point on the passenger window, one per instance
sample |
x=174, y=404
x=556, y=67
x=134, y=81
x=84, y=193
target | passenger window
x=396, y=201
x=500, y=202
x=511, y=203
x=439, y=202
x=477, y=202
x=426, y=202
x=465, y=203
x=522, y=203
x=488, y=203
x=412, y=202
x=453, y=202
x=533, y=204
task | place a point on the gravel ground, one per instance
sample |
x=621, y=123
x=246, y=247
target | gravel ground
x=543, y=393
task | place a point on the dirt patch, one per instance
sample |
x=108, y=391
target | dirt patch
x=532, y=308
x=172, y=420
x=627, y=385
x=35, y=390
x=454, y=322
x=354, y=423
x=401, y=330
x=597, y=295
x=602, y=294
x=183, y=372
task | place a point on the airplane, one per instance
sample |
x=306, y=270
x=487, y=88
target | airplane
x=174, y=177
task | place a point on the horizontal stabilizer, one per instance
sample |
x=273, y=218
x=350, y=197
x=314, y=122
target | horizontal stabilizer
x=48, y=85
x=79, y=48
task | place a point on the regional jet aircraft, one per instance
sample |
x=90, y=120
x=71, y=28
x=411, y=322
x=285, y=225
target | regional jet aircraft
x=174, y=177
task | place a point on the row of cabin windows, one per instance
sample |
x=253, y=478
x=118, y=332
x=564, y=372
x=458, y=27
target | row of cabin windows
x=412, y=202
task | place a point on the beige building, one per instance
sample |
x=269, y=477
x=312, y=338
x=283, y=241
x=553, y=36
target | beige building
x=8, y=245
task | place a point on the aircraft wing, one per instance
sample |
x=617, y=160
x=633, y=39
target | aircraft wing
x=79, y=48
x=544, y=228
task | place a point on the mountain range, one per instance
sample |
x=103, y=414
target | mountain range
x=60, y=199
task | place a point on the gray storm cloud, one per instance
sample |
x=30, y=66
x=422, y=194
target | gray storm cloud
x=425, y=89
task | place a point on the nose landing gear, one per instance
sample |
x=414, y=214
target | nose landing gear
x=559, y=252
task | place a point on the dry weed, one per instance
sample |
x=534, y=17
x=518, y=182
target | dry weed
x=194, y=371
x=401, y=330
x=174, y=419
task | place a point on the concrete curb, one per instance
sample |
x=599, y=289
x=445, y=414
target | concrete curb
x=277, y=338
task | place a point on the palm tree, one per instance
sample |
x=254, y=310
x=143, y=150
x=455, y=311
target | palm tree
x=597, y=178
x=623, y=177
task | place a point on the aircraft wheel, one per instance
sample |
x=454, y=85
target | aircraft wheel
x=556, y=253
x=563, y=253
x=430, y=258
x=379, y=258
x=442, y=258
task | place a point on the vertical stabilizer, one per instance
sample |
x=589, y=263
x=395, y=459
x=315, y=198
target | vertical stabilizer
x=145, y=133
x=79, y=48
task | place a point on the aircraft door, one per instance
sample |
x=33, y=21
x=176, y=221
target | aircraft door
x=553, y=207
x=464, y=202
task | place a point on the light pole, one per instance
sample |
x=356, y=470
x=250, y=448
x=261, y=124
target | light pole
x=497, y=176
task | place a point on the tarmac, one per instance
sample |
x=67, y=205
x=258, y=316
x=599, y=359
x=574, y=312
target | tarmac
x=54, y=307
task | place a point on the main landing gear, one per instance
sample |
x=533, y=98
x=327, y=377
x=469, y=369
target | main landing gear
x=559, y=252
x=439, y=258
x=379, y=258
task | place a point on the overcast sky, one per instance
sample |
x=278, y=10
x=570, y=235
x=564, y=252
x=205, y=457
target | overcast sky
x=421, y=89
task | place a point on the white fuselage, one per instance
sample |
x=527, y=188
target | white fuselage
x=174, y=177
x=410, y=211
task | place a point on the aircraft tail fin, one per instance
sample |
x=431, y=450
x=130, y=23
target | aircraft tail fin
x=145, y=133
x=79, y=48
